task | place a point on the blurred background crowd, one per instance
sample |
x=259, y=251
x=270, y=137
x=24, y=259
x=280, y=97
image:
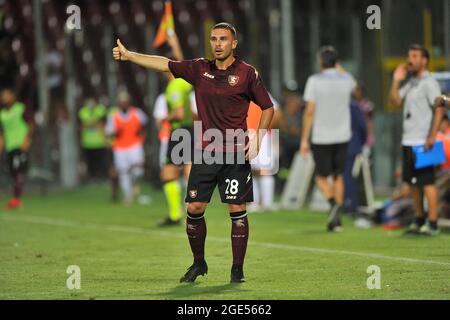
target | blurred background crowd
x=56, y=72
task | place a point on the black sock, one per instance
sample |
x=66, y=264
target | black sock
x=239, y=236
x=19, y=181
x=114, y=186
x=332, y=202
x=196, y=232
x=433, y=224
x=420, y=221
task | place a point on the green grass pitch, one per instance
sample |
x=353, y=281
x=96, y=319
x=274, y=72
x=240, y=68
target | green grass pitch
x=123, y=255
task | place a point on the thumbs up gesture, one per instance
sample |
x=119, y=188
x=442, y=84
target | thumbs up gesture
x=120, y=52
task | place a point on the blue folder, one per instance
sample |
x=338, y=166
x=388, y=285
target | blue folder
x=433, y=157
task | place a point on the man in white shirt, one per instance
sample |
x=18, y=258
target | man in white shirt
x=420, y=125
x=327, y=115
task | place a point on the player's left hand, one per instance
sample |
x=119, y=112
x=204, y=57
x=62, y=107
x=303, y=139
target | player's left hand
x=252, y=148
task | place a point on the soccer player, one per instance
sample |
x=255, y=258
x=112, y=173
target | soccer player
x=16, y=131
x=127, y=126
x=420, y=125
x=327, y=115
x=224, y=88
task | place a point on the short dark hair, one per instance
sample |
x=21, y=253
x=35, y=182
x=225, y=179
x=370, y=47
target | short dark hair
x=424, y=51
x=328, y=56
x=226, y=25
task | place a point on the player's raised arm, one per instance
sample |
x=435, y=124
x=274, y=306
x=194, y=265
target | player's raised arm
x=174, y=44
x=400, y=74
x=156, y=63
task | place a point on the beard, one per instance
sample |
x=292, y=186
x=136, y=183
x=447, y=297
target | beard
x=413, y=70
x=224, y=57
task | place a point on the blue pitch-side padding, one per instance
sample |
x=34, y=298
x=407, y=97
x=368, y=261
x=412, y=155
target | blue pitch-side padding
x=433, y=157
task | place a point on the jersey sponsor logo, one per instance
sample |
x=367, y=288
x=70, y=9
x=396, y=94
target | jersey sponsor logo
x=249, y=177
x=231, y=197
x=193, y=194
x=233, y=80
x=207, y=75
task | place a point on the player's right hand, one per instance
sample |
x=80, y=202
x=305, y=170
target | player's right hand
x=400, y=72
x=120, y=52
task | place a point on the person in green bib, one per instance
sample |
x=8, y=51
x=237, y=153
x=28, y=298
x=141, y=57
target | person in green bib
x=16, y=130
x=181, y=117
x=92, y=117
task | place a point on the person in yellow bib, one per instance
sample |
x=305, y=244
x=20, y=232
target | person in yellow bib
x=16, y=130
x=92, y=117
x=179, y=117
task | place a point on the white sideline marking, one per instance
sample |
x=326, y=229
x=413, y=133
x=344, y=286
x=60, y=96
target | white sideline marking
x=117, y=228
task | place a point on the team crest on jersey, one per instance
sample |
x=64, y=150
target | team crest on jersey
x=233, y=80
x=193, y=194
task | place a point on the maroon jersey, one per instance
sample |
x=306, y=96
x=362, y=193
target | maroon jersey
x=223, y=96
